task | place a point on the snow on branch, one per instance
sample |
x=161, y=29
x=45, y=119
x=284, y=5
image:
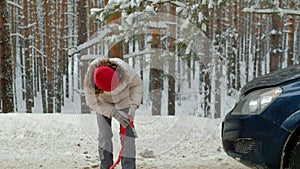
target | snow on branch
x=178, y=4
x=95, y=40
x=15, y=4
x=36, y=49
x=278, y=10
x=18, y=35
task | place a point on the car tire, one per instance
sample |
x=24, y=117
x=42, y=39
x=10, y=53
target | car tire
x=294, y=162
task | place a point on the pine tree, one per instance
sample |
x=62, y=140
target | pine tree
x=49, y=55
x=28, y=59
x=6, y=69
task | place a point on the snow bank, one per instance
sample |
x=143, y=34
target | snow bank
x=68, y=141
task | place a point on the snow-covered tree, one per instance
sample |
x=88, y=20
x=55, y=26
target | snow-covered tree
x=6, y=69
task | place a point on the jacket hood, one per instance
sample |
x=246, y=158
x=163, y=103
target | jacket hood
x=102, y=62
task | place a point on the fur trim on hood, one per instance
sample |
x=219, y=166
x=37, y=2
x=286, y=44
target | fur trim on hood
x=102, y=62
x=128, y=92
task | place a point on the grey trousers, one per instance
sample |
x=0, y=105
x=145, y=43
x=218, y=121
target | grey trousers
x=105, y=145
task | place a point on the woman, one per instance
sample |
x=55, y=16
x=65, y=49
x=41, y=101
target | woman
x=113, y=89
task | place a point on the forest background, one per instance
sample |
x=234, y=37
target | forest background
x=43, y=42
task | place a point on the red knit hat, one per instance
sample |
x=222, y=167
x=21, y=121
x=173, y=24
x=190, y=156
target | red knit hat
x=106, y=78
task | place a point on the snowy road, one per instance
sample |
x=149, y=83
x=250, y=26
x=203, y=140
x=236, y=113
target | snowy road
x=64, y=141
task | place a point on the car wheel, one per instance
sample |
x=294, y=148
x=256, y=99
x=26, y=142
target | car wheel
x=294, y=162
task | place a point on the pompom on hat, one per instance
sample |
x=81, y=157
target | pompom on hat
x=106, y=78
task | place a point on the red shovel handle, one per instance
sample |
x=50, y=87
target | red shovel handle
x=123, y=135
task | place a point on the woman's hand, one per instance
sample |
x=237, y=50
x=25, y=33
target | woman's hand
x=122, y=118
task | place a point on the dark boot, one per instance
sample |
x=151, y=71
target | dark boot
x=106, y=159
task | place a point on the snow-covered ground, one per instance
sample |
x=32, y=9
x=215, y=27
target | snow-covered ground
x=68, y=141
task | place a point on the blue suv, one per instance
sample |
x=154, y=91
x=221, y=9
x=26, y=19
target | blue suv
x=263, y=129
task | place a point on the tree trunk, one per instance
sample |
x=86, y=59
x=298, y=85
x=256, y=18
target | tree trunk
x=291, y=31
x=171, y=77
x=40, y=45
x=297, y=42
x=14, y=39
x=258, y=47
x=275, y=53
x=216, y=73
x=156, y=82
x=238, y=23
x=32, y=49
x=156, y=72
x=63, y=48
x=92, y=23
x=231, y=73
x=116, y=50
x=275, y=43
x=6, y=70
x=82, y=37
x=28, y=66
x=59, y=54
x=49, y=26
x=206, y=71
x=73, y=42
x=82, y=22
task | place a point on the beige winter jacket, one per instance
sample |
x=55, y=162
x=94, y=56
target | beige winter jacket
x=129, y=91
